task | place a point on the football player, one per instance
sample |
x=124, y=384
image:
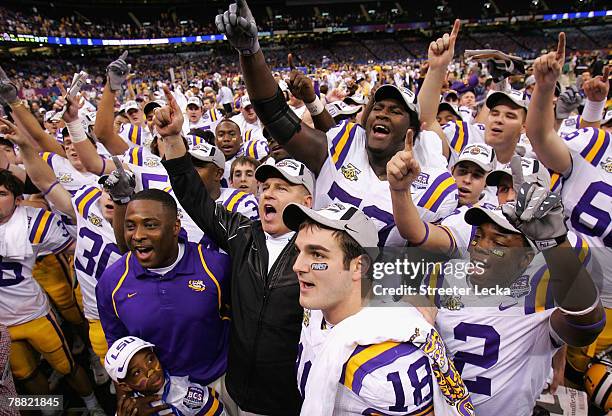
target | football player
x=583, y=163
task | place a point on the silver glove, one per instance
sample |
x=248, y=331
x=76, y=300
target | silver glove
x=117, y=72
x=239, y=27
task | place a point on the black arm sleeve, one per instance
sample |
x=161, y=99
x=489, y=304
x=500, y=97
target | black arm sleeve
x=217, y=223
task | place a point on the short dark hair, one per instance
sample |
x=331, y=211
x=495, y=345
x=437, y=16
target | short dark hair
x=351, y=249
x=244, y=160
x=160, y=196
x=11, y=182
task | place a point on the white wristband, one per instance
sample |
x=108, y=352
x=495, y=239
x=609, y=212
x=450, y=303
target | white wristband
x=584, y=311
x=316, y=107
x=76, y=131
x=593, y=110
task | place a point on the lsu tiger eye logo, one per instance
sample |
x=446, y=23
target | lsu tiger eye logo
x=197, y=285
x=151, y=162
x=607, y=165
x=350, y=172
x=65, y=178
x=95, y=220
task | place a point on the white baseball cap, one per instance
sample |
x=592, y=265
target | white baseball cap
x=119, y=354
x=533, y=172
x=479, y=215
x=513, y=95
x=208, y=153
x=289, y=169
x=245, y=101
x=131, y=105
x=356, y=98
x=607, y=118
x=450, y=108
x=401, y=94
x=194, y=100
x=49, y=115
x=339, y=216
x=339, y=108
x=481, y=154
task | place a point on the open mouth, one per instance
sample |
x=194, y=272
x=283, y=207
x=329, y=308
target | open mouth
x=109, y=206
x=463, y=191
x=381, y=129
x=496, y=130
x=269, y=212
x=306, y=285
x=143, y=253
x=243, y=187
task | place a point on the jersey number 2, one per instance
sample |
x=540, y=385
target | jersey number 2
x=490, y=354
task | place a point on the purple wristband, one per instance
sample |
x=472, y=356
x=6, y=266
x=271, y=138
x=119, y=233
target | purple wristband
x=51, y=187
x=420, y=243
x=103, y=166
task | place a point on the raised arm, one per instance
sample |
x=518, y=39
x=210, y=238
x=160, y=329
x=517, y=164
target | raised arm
x=104, y=130
x=596, y=90
x=302, y=142
x=549, y=147
x=216, y=222
x=88, y=154
x=39, y=172
x=440, y=54
x=538, y=214
x=402, y=170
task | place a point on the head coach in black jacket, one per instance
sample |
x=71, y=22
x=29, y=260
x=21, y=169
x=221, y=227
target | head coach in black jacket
x=266, y=314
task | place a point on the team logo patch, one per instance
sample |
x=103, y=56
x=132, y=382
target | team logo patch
x=475, y=150
x=350, y=172
x=65, y=178
x=306, y=317
x=151, y=162
x=607, y=165
x=197, y=285
x=520, y=287
x=95, y=220
x=194, y=399
x=452, y=303
x=421, y=181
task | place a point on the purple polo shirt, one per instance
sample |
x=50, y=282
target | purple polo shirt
x=184, y=313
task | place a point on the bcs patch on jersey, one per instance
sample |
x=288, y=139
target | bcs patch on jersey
x=607, y=165
x=65, y=177
x=197, y=285
x=151, y=162
x=520, y=287
x=350, y=172
x=95, y=220
x=569, y=122
x=194, y=399
x=421, y=181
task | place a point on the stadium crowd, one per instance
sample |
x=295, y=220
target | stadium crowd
x=206, y=228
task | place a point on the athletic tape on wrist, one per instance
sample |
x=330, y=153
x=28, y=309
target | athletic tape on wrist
x=593, y=110
x=316, y=107
x=76, y=131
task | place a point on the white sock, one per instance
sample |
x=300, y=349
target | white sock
x=90, y=401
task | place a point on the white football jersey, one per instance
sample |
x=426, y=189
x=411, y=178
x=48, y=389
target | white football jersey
x=587, y=200
x=254, y=144
x=211, y=118
x=346, y=176
x=200, y=124
x=502, y=345
x=70, y=178
x=244, y=125
x=135, y=135
x=21, y=297
x=461, y=133
x=569, y=125
x=389, y=378
x=460, y=232
x=235, y=200
x=96, y=246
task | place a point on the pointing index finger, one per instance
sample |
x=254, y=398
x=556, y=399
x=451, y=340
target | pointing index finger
x=124, y=55
x=290, y=61
x=517, y=172
x=118, y=165
x=456, y=27
x=409, y=140
x=561, y=46
x=170, y=98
